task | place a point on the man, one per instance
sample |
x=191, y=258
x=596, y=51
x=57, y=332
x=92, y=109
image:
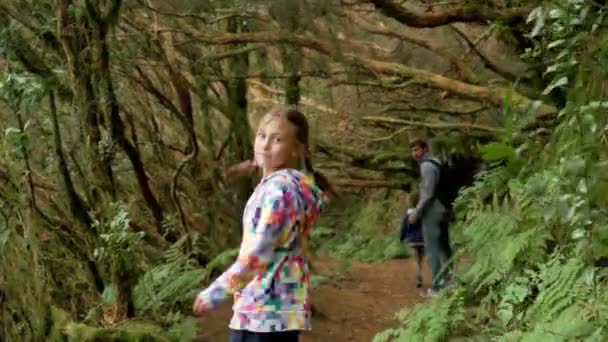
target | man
x=432, y=215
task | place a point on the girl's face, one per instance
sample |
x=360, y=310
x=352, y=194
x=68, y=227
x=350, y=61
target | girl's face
x=276, y=145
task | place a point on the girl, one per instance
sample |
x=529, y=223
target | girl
x=413, y=234
x=270, y=278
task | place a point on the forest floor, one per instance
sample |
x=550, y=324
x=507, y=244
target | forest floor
x=359, y=301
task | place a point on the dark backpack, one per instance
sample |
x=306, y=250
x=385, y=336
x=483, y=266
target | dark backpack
x=447, y=188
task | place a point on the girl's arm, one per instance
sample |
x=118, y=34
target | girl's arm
x=245, y=168
x=276, y=214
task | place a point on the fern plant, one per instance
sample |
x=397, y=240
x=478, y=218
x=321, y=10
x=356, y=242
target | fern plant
x=432, y=321
x=533, y=234
x=169, y=287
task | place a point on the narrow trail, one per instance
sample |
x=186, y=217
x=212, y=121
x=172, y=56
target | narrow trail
x=353, y=308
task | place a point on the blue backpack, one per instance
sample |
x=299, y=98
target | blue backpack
x=411, y=232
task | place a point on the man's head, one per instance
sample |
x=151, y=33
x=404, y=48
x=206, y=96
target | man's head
x=418, y=148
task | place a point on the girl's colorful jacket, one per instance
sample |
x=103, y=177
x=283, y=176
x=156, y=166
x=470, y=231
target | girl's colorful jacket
x=270, y=279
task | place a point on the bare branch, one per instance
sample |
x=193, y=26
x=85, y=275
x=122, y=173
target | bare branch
x=410, y=37
x=274, y=37
x=492, y=94
x=390, y=107
x=394, y=134
x=441, y=17
x=486, y=61
x=434, y=125
x=170, y=14
x=232, y=53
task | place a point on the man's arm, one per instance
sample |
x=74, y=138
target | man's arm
x=429, y=176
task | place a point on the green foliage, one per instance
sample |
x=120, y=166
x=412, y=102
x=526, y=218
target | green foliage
x=23, y=287
x=20, y=90
x=170, y=286
x=497, y=151
x=167, y=287
x=527, y=278
x=118, y=244
x=162, y=295
x=532, y=233
x=131, y=331
x=427, y=322
x=43, y=275
x=365, y=231
x=37, y=274
x=561, y=29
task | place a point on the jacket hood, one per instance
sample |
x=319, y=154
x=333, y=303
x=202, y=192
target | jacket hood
x=312, y=199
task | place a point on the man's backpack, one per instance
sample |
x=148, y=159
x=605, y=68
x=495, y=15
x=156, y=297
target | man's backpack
x=447, y=188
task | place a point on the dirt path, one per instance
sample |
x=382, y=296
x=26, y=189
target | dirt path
x=352, y=309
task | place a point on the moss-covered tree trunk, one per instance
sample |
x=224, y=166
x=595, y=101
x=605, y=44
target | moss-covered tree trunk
x=240, y=147
x=101, y=23
x=292, y=60
x=77, y=205
x=74, y=35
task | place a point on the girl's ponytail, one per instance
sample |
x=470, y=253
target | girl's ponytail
x=320, y=178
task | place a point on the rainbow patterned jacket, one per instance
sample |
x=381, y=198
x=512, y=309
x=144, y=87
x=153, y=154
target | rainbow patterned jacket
x=270, y=279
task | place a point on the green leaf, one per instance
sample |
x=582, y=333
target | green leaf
x=578, y=234
x=109, y=294
x=11, y=130
x=497, y=151
x=538, y=15
x=505, y=313
x=555, y=43
x=560, y=82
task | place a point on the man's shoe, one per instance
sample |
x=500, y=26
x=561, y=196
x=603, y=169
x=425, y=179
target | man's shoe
x=451, y=284
x=431, y=293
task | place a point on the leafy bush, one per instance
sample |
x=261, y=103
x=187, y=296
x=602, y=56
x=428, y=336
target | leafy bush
x=534, y=233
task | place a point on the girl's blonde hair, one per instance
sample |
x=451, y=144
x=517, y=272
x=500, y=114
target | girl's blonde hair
x=302, y=130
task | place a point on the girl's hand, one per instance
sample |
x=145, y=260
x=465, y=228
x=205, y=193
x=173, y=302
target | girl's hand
x=412, y=219
x=199, y=308
x=245, y=168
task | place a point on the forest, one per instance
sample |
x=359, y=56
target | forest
x=119, y=118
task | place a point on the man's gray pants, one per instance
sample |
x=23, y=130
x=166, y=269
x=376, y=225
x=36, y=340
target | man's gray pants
x=437, y=246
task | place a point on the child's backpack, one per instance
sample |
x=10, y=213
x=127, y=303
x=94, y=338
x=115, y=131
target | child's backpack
x=411, y=232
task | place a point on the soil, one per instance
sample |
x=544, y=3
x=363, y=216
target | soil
x=350, y=308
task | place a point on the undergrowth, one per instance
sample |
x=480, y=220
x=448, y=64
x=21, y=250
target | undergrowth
x=362, y=230
x=534, y=227
x=34, y=308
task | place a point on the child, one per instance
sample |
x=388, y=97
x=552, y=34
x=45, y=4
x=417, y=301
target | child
x=270, y=280
x=413, y=234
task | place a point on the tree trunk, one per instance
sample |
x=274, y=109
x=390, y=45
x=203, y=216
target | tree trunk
x=77, y=206
x=117, y=127
x=240, y=147
x=73, y=36
x=186, y=116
